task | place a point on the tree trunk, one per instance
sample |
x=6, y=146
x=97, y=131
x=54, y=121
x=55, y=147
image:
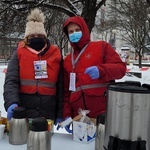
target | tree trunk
x=140, y=61
x=89, y=13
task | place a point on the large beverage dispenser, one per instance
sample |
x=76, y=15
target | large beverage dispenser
x=127, y=125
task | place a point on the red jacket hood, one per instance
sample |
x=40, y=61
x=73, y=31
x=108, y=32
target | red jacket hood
x=84, y=28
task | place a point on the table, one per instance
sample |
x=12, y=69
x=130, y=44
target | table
x=59, y=141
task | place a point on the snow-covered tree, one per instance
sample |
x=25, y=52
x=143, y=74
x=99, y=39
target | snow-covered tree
x=85, y=8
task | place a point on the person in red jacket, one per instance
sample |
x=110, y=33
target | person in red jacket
x=88, y=69
x=34, y=75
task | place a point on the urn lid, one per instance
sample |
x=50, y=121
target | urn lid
x=129, y=87
x=19, y=113
x=39, y=124
x=100, y=119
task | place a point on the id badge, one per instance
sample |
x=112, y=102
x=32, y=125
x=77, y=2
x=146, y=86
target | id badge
x=40, y=68
x=72, y=83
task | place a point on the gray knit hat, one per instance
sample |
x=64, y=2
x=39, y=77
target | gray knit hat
x=35, y=24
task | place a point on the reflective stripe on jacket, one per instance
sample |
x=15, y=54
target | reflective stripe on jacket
x=28, y=83
x=90, y=86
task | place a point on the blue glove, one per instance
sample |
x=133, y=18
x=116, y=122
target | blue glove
x=93, y=72
x=57, y=121
x=67, y=128
x=10, y=110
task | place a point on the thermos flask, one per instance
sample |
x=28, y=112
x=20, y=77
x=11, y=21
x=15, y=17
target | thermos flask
x=100, y=132
x=18, y=133
x=39, y=137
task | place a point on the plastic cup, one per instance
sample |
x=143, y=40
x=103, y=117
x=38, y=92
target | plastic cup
x=2, y=128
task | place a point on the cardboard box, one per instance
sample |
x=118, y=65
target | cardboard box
x=83, y=132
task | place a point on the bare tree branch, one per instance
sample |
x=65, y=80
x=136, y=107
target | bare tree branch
x=100, y=4
x=71, y=6
x=132, y=17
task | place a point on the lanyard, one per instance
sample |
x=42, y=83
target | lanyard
x=76, y=60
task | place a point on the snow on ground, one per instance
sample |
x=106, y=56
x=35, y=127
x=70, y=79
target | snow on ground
x=2, y=77
x=134, y=73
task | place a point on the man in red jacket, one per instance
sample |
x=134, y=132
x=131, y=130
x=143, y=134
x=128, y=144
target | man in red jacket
x=88, y=69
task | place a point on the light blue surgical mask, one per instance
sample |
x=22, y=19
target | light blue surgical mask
x=75, y=36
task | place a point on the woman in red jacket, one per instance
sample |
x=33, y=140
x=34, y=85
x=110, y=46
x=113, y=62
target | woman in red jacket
x=88, y=69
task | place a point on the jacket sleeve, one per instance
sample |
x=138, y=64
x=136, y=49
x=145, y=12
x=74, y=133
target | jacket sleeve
x=60, y=92
x=112, y=67
x=11, y=83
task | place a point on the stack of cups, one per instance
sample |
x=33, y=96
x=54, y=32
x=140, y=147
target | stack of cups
x=2, y=129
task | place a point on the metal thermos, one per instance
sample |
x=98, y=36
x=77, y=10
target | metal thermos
x=127, y=125
x=39, y=137
x=100, y=131
x=18, y=132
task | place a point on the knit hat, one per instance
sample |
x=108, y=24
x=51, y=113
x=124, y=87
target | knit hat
x=35, y=24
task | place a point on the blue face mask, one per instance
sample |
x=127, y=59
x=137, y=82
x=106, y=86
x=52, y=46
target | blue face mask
x=75, y=36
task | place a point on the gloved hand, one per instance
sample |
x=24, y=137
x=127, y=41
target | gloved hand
x=93, y=72
x=10, y=110
x=57, y=121
x=67, y=128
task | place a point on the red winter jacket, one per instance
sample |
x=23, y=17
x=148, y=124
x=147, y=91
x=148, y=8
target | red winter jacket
x=90, y=94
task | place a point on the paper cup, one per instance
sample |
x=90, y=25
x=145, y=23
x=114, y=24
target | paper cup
x=2, y=128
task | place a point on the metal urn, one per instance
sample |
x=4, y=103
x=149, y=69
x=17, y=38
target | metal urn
x=127, y=125
x=18, y=132
x=39, y=137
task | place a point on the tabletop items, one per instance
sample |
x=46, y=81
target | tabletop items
x=2, y=128
x=3, y=125
x=84, y=127
x=4, y=121
x=36, y=132
x=126, y=125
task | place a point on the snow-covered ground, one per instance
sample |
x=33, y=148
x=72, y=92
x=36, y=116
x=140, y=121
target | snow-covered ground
x=2, y=77
x=134, y=73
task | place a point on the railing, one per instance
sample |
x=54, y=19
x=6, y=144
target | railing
x=3, y=62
